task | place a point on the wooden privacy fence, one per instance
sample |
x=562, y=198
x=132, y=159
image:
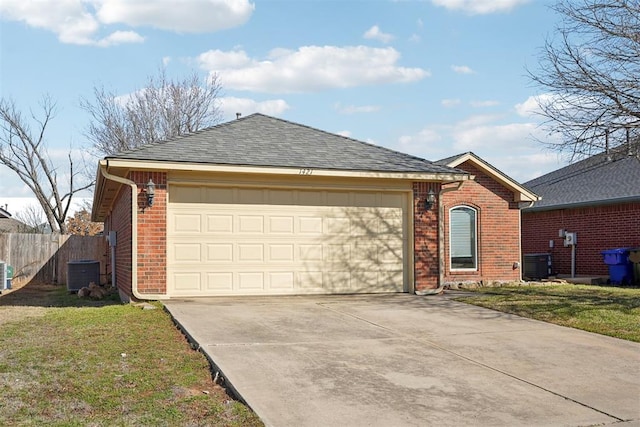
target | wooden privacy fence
x=44, y=257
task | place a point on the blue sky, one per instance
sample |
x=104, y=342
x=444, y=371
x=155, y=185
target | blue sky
x=430, y=78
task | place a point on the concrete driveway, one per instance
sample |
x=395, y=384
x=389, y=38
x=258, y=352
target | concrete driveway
x=405, y=360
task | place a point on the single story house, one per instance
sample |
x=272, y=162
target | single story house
x=9, y=224
x=265, y=206
x=598, y=199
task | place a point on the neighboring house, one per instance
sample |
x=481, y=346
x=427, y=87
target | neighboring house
x=261, y=205
x=598, y=198
x=9, y=224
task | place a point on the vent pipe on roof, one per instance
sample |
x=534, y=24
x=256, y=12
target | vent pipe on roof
x=238, y=115
x=606, y=145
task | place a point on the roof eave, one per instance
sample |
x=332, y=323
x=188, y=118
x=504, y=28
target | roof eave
x=520, y=193
x=276, y=170
x=588, y=203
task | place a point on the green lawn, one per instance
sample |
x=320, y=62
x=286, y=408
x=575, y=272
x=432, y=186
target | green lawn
x=103, y=365
x=612, y=311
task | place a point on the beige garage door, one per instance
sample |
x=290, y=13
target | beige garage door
x=241, y=241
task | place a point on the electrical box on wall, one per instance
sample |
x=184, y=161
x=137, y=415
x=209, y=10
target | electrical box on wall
x=570, y=239
x=111, y=237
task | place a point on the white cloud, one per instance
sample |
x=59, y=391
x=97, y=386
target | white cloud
x=344, y=133
x=245, y=106
x=414, y=38
x=120, y=37
x=479, y=7
x=69, y=19
x=353, y=109
x=81, y=22
x=309, y=69
x=482, y=104
x=492, y=136
x=530, y=107
x=462, y=69
x=509, y=146
x=188, y=16
x=374, y=33
x=166, y=60
x=448, y=103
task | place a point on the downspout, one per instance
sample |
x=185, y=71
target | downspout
x=441, y=261
x=134, y=234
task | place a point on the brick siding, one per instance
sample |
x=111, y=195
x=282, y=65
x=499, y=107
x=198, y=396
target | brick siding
x=598, y=228
x=152, y=233
x=119, y=220
x=498, y=228
x=425, y=225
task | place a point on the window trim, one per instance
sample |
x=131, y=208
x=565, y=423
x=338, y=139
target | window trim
x=475, y=239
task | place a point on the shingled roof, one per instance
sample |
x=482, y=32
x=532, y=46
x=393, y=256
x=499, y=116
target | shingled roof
x=605, y=178
x=260, y=140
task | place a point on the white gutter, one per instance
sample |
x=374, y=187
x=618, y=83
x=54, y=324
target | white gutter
x=134, y=235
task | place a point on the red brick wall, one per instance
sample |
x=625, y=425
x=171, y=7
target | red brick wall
x=152, y=233
x=599, y=228
x=425, y=225
x=119, y=220
x=498, y=228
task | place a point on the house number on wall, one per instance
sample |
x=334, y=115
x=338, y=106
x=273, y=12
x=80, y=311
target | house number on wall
x=305, y=172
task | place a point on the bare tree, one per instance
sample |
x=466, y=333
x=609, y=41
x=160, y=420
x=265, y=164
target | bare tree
x=24, y=151
x=163, y=109
x=31, y=218
x=590, y=72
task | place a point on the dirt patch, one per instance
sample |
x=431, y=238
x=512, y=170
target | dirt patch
x=31, y=300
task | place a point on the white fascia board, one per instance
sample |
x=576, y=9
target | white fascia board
x=520, y=194
x=203, y=167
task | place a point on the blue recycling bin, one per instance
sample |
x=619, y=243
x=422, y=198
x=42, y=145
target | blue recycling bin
x=620, y=268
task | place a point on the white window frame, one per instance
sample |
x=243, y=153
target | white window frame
x=475, y=239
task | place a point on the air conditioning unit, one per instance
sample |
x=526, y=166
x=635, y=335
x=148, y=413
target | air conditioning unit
x=81, y=273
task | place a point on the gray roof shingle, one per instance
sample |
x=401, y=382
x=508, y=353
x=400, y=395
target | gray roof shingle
x=260, y=140
x=603, y=178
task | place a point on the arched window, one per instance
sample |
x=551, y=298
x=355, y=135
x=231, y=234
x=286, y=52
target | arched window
x=463, y=247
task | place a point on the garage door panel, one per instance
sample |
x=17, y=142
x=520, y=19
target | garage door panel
x=187, y=252
x=187, y=281
x=310, y=225
x=281, y=280
x=219, y=282
x=187, y=223
x=219, y=253
x=219, y=223
x=308, y=280
x=281, y=253
x=338, y=198
x=250, y=252
x=252, y=280
x=218, y=195
x=311, y=252
x=281, y=224
x=340, y=226
x=285, y=247
x=250, y=224
x=250, y=196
